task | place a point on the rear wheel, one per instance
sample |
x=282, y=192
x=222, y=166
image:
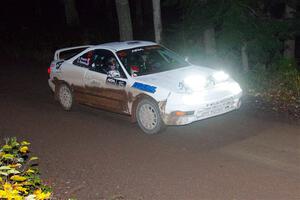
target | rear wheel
x=148, y=117
x=65, y=96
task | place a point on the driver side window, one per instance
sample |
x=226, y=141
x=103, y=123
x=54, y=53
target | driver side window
x=104, y=61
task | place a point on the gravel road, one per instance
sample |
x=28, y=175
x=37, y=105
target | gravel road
x=93, y=154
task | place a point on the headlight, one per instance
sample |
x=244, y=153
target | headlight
x=195, y=82
x=220, y=76
x=235, y=88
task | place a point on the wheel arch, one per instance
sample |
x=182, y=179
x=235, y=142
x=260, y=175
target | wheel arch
x=136, y=101
x=57, y=83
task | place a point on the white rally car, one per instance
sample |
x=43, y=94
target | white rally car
x=152, y=84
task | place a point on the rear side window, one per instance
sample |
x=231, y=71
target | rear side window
x=85, y=60
x=65, y=55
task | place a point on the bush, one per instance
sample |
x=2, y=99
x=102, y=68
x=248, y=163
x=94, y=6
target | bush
x=19, y=174
x=280, y=84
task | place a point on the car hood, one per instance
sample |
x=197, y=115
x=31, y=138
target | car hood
x=171, y=80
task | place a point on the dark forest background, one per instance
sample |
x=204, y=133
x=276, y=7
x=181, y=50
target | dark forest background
x=41, y=25
x=259, y=40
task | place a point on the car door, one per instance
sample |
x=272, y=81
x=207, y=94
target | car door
x=74, y=72
x=102, y=89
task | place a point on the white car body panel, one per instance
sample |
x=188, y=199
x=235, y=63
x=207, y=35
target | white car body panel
x=73, y=75
x=163, y=87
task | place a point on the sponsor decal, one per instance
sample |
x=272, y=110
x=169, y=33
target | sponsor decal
x=84, y=61
x=144, y=87
x=113, y=81
x=137, y=50
x=58, y=64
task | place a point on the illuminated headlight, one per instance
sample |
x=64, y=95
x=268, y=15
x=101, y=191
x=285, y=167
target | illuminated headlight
x=220, y=76
x=235, y=88
x=195, y=82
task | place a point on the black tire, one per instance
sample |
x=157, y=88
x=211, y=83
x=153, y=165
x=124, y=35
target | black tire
x=148, y=117
x=65, y=96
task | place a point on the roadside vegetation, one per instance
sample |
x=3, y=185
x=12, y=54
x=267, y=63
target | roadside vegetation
x=19, y=173
x=276, y=89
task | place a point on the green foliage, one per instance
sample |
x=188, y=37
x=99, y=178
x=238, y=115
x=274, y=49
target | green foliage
x=279, y=85
x=237, y=23
x=19, y=175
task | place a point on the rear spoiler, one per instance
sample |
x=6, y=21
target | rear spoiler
x=57, y=52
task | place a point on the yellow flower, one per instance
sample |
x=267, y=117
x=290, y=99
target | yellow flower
x=25, y=143
x=9, y=193
x=41, y=195
x=7, y=186
x=24, y=149
x=18, y=178
x=2, y=194
x=21, y=189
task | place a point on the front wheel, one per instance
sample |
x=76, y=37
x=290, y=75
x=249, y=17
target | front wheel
x=148, y=117
x=65, y=96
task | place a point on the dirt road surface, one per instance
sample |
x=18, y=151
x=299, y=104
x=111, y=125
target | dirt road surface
x=92, y=154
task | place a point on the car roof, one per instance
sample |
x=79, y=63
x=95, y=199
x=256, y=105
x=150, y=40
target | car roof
x=117, y=46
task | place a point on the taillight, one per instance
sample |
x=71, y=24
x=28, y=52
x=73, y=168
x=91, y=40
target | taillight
x=49, y=68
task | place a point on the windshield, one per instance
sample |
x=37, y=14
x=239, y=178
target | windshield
x=149, y=60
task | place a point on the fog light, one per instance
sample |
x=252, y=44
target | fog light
x=181, y=113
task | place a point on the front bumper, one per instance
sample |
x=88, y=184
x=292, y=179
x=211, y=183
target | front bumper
x=204, y=111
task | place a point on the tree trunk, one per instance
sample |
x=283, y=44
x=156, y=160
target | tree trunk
x=245, y=62
x=209, y=42
x=125, y=25
x=38, y=9
x=289, y=44
x=157, y=20
x=71, y=13
x=110, y=19
x=139, y=13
